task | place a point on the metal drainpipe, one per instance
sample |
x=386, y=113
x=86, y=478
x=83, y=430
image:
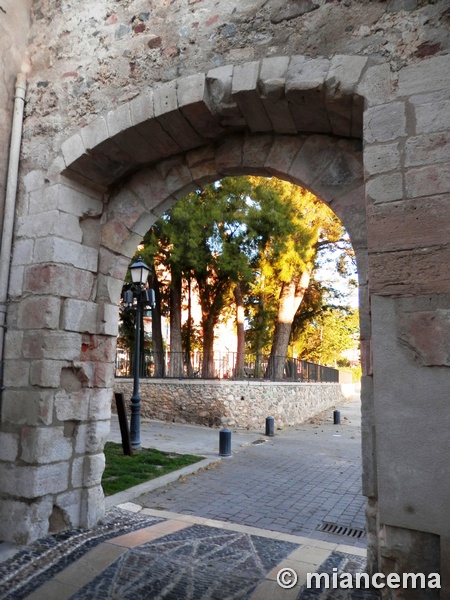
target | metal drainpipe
x=10, y=207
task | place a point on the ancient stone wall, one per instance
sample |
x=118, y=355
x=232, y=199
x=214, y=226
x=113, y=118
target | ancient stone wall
x=15, y=22
x=88, y=58
x=244, y=405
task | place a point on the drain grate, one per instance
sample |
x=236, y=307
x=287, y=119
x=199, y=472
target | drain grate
x=353, y=532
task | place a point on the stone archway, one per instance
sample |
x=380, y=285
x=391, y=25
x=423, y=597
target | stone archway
x=296, y=118
x=290, y=117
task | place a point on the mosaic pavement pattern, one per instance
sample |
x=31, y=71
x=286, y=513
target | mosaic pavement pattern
x=42, y=560
x=344, y=563
x=197, y=563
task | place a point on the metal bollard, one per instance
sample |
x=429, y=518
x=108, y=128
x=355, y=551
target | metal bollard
x=336, y=417
x=224, y=442
x=270, y=426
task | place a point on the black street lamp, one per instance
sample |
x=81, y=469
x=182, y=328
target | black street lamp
x=138, y=296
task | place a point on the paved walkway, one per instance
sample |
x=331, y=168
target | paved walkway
x=221, y=534
x=295, y=482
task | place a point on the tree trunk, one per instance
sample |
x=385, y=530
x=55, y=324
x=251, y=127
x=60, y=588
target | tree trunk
x=208, y=348
x=176, y=346
x=240, y=351
x=291, y=296
x=157, y=339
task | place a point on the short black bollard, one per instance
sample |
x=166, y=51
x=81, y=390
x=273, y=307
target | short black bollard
x=336, y=417
x=224, y=442
x=270, y=426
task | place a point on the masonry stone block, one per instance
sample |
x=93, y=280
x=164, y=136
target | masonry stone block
x=282, y=155
x=9, y=443
x=46, y=373
x=196, y=105
x=44, y=445
x=16, y=277
x=434, y=179
x=169, y=116
x=39, y=312
x=76, y=476
x=409, y=224
x=59, y=280
x=129, y=210
x=384, y=123
x=418, y=271
x=112, y=264
x=340, y=85
x=72, y=149
x=427, y=149
x=115, y=235
x=34, y=481
x=348, y=205
x=71, y=405
x=94, y=133
x=385, y=188
x=13, y=344
x=23, y=252
x=93, y=469
x=425, y=76
x=100, y=404
x=104, y=375
x=79, y=315
x=53, y=344
x=305, y=91
x=118, y=119
x=61, y=251
x=27, y=407
x=33, y=180
x=177, y=176
x=229, y=155
x=52, y=222
x=272, y=82
x=91, y=438
x=376, y=85
x=23, y=522
x=69, y=503
x=433, y=117
x=66, y=199
x=109, y=319
x=92, y=507
x=109, y=289
x=315, y=156
x=425, y=336
x=255, y=152
x=91, y=173
x=220, y=83
x=202, y=165
x=342, y=173
x=381, y=158
x=150, y=186
x=245, y=92
x=142, y=117
x=16, y=373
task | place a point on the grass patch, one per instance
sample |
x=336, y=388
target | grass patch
x=122, y=472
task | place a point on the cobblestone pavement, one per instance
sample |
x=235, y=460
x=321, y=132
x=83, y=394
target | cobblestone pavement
x=292, y=483
x=142, y=554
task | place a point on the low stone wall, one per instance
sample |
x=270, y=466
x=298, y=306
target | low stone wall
x=241, y=404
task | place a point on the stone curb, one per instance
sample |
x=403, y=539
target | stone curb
x=143, y=488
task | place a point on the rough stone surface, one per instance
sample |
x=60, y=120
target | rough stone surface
x=233, y=404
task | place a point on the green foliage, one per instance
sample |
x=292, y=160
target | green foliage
x=122, y=472
x=261, y=233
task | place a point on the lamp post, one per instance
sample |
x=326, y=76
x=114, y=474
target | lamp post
x=139, y=297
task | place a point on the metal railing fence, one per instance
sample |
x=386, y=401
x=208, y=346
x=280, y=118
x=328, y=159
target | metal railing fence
x=226, y=365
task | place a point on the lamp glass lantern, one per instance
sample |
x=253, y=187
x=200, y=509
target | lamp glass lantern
x=139, y=272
